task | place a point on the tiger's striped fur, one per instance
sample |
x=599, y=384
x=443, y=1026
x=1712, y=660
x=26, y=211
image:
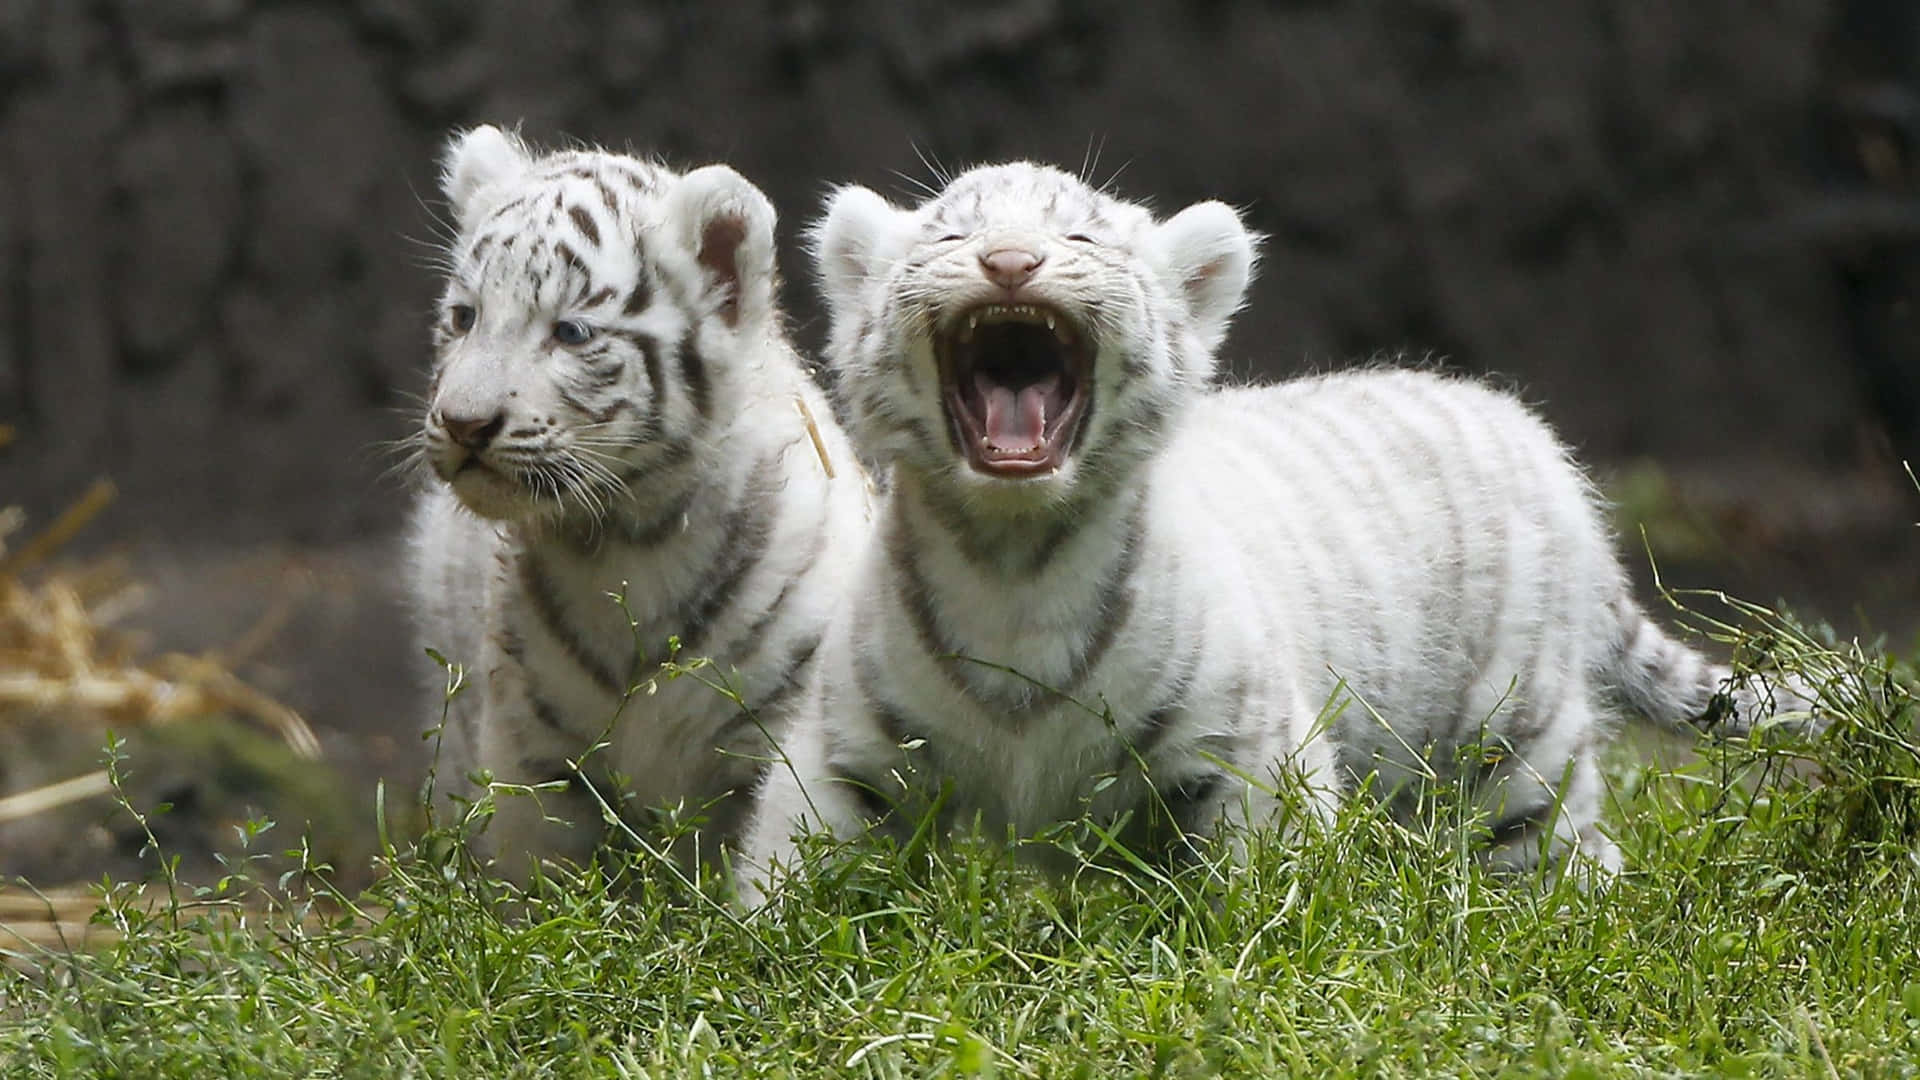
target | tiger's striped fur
x=1216, y=569
x=616, y=413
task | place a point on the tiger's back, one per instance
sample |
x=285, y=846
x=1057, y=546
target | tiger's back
x=1410, y=546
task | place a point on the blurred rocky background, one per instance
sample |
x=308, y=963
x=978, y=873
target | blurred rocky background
x=1689, y=231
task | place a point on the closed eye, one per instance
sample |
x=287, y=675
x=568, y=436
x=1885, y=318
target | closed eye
x=572, y=332
x=950, y=238
x=1081, y=238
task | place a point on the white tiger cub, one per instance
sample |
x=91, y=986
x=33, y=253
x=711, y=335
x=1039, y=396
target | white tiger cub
x=616, y=413
x=1077, y=523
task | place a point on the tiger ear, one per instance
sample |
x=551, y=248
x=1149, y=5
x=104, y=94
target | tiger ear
x=847, y=238
x=476, y=162
x=1208, y=255
x=727, y=225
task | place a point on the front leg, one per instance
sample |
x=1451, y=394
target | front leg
x=802, y=793
x=1267, y=764
x=552, y=825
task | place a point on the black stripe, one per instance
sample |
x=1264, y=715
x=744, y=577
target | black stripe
x=1531, y=719
x=549, y=716
x=510, y=644
x=656, y=382
x=578, y=404
x=916, y=429
x=693, y=369
x=896, y=724
x=663, y=457
x=875, y=403
x=1115, y=601
x=1148, y=421
x=1510, y=827
x=649, y=348
x=583, y=221
x=1500, y=470
x=916, y=596
x=665, y=523
x=569, y=256
x=1132, y=433
x=1189, y=798
x=790, y=680
x=816, y=546
x=638, y=299
x=642, y=182
x=1112, y=607
x=961, y=528
x=1063, y=530
x=603, y=377
x=607, y=197
x=1452, y=444
x=873, y=802
x=899, y=728
x=614, y=408
x=999, y=549
x=1537, y=714
x=747, y=533
x=1158, y=721
x=546, y=605
x=866, y=668
x=726, y=737
x=677, y=452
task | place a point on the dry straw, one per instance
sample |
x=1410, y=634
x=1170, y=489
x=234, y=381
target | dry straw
x=61, y=654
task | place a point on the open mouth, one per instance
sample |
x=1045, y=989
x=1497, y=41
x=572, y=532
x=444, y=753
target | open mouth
x=1015, y=380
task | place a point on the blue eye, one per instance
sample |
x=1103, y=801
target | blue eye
x=460, y=318
x=572, y=332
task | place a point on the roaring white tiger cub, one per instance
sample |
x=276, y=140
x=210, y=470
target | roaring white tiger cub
x=1078, y=525
x=628, y=451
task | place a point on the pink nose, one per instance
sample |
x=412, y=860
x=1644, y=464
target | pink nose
x=1009, y=268
x=474, y=433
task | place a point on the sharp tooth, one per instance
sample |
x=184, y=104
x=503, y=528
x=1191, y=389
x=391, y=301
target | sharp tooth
x=1051, y=328
x=966, y=331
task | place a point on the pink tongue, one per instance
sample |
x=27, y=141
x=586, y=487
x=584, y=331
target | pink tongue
x=1016, y=419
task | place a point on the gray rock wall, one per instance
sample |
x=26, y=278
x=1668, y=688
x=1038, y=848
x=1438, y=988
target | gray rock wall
x=216, y=214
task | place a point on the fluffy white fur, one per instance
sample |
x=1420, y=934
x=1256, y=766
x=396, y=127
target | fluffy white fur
x=616, y=413
x=1383, y=579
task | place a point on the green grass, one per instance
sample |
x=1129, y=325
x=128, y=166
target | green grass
x=1765, y=926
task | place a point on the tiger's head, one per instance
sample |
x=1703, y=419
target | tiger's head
x=1022, y=332
x=597, y=310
